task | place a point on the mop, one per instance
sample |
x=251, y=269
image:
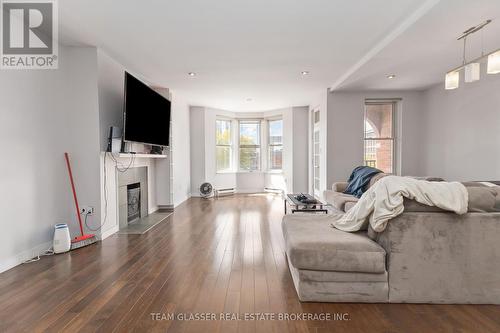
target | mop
x=84, y=239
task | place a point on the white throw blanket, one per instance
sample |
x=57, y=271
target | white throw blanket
x=384, y=201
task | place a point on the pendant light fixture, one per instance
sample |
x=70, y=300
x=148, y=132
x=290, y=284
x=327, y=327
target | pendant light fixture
x=472, y=69
x=452, y=80
x=472, y=72
x=494, y=63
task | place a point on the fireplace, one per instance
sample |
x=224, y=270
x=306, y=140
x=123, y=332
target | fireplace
x=132, y=196
x=133, y=202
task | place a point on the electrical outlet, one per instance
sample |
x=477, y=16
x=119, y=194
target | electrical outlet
x=87, y=210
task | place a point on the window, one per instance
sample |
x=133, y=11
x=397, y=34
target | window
x=275, y=144
x=379, y=135
x=249, y=145
x=223, y=149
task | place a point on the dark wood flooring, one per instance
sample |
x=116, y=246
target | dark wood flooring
x=210, y=256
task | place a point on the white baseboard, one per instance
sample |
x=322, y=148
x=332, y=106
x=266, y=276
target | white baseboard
x=109, y=232
x=239, y=191
x=179, y=202
x=113, y=230
x=250, y=190
x=23, y=256
x=153, y=209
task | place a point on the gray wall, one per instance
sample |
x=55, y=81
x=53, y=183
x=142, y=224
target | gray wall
x=295, y=148
x=197, y=149
x=180, y=149
x=461, y=130
x=110, y=88
x=452, y=134
x=345, y=132
x=111, y=85
x=300, y=138
x=43, y=114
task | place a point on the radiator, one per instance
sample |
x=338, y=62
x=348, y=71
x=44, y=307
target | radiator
x=220, y=192
x=274, y=190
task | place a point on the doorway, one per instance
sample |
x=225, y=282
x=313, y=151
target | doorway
x=316, y=152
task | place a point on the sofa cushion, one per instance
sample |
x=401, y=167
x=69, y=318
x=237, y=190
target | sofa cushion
x=482, y=199
x=329, y=276
x=349, y=205
x=417, y=207
x=339, y=186
x=312, y=244
x=343, y=291
x=376, y=178
x=338, y=199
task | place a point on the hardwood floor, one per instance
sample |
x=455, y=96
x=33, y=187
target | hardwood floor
x=210, y=256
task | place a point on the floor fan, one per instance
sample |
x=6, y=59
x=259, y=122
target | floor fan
x=206, y=190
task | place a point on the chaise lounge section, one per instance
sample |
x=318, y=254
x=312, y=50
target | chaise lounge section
x=329, y=265
x=425, y=255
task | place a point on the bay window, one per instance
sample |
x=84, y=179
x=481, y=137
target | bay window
x=275, y=144
x=249, y=145
x=223, y=149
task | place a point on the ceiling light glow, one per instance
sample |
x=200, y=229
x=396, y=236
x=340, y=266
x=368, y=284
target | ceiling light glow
x=472, y=72
x=494, y=63
x=451, y=81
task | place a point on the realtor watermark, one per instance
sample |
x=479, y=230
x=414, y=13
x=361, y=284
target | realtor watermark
x=249, y=316
x=28, y=34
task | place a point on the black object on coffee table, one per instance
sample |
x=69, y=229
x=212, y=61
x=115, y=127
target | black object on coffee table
x=304, y=203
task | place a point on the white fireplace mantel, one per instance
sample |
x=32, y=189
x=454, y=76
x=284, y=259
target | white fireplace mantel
x=160, y=192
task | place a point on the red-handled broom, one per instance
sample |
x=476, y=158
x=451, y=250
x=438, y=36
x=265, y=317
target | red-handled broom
x=84, y=239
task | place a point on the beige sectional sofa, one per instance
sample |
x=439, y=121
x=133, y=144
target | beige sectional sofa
x=425, y=255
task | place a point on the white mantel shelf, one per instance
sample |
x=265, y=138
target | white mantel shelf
x=159, y=178
x=140, y=155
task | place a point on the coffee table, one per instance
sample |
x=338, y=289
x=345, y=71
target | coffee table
x=299, y=207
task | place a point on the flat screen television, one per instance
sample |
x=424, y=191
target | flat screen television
x=146, y=114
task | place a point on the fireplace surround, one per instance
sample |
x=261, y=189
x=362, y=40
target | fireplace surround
x=133, y=202
x=132, y=195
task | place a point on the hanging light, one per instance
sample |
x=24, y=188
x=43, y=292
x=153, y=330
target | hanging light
x=494, y=63
x=472, y=72
x=452, y=79
x=472, y=69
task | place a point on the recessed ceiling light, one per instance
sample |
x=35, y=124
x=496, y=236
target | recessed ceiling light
x=192, y=74
x=391, y=76
x=304, y=73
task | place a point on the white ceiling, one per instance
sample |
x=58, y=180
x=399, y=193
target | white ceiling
x=422, y=55
x=239, y=49
x=257, y=49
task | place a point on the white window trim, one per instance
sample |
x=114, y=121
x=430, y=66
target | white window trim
x=260, y=122
x=269, y=145
x=231, y=146
x=235, y=144
x=396, y=129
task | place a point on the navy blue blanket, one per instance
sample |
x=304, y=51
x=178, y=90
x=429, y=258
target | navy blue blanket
x=359, y=179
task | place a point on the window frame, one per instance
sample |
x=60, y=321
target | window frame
x=230, y=146
x=394, y=131
x=258, y=147
x=271, y=145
